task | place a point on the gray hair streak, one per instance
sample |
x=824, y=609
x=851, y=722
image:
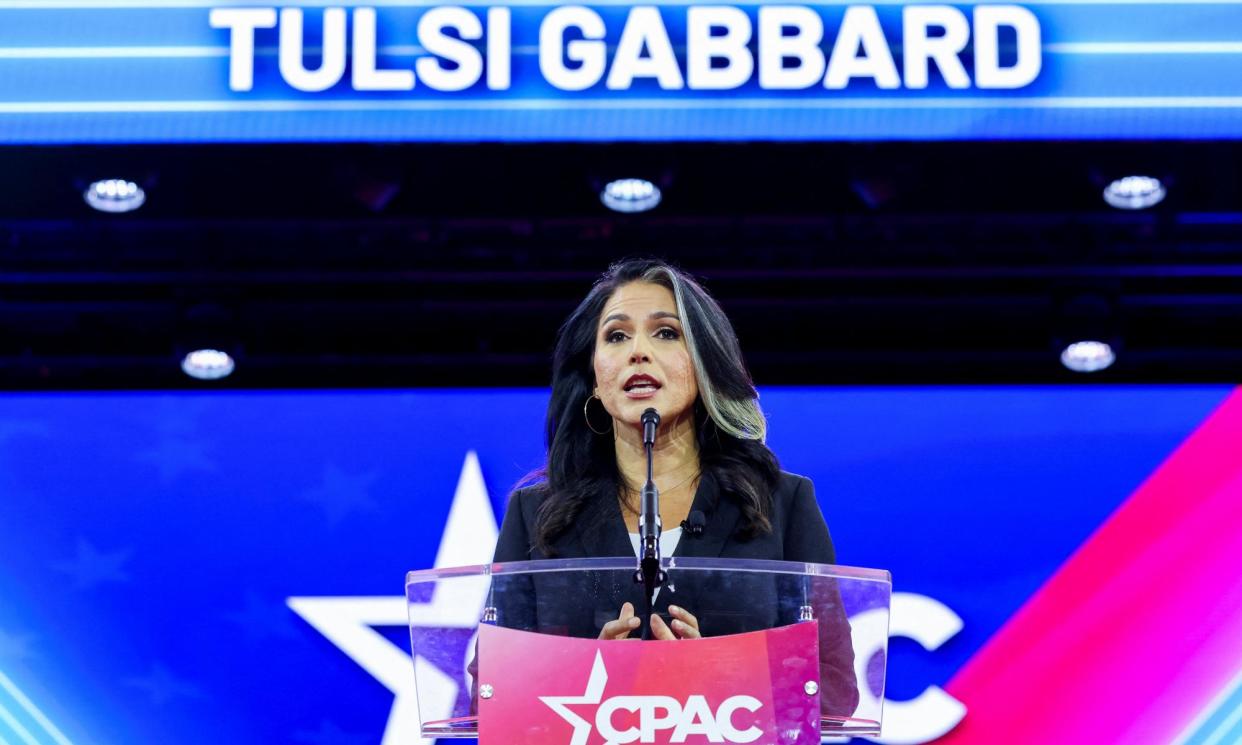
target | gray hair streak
x=740, y=417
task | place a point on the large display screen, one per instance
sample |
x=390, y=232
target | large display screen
x=75, y=71
x=205, y=568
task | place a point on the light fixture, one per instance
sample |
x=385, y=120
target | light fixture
x=1088, y=356
x=630, y=195
x=207, y=364
x=114, y=195
x=1134, y=192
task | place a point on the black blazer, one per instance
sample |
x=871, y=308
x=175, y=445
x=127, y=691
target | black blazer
x=799, y=532
x=724, y=603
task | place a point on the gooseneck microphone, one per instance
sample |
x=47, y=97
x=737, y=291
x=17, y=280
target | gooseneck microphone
x=651, y=422
x=649, y=572
x=649, y=526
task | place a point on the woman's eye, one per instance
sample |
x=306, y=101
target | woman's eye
x=613, y=337
x=669, y=334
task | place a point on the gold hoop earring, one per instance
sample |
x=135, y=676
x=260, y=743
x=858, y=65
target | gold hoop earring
x=587, y=415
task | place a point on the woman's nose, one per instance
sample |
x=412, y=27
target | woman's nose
x=641, y=351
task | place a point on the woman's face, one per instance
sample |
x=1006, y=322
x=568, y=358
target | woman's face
x=641, y=359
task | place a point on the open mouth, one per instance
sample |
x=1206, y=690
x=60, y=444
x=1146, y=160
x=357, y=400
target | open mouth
x=641, y=384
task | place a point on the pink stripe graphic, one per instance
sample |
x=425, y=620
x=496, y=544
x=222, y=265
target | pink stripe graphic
x=1140, y=628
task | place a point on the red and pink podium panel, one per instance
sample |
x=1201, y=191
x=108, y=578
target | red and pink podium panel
x=509, y=653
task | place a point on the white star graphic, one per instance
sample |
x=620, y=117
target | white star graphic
x=593, y=694
x=469, y=538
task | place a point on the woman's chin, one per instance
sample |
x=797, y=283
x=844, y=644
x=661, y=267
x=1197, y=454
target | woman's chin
x=631, y=413
x=632, y=408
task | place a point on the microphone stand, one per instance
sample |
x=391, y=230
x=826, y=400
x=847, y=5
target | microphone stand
x=649, y=573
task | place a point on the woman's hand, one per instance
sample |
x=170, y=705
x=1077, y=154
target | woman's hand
x=620, y=628
x=684, y=626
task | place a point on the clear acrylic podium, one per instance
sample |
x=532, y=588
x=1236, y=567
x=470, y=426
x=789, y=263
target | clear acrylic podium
x=575, y=597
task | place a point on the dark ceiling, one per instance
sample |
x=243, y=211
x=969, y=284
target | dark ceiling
x=402, y=265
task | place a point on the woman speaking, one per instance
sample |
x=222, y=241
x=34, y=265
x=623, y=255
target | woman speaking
x=649, y=336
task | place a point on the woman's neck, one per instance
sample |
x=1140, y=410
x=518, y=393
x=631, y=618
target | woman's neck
x=676, y=453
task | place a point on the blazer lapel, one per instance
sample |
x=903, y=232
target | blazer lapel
x=615, y=538
x=604, y=532
x=722, y=518
x=599, y=532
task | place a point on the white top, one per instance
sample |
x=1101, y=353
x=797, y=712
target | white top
x=668, y=541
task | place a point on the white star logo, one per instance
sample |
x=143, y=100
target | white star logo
x=469, y=538
x=593, y=695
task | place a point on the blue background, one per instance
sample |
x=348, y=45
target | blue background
x=148, y=541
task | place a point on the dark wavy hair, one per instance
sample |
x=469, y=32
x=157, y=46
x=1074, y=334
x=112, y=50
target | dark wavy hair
x=581, y=469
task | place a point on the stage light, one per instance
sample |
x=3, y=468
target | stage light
x=1088, y=356
x=630, y=195
x=1134, y=192
x=207, y=364
x=114, y=195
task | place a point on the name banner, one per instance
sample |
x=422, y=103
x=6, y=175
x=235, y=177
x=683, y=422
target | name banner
x=393, y=70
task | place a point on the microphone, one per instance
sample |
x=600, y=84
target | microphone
x=651, y=420
x=694, y=523
x=649, y=573
x=649, y=526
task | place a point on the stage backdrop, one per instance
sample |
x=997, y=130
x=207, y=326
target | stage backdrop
x=420, y=70
x=206, y=568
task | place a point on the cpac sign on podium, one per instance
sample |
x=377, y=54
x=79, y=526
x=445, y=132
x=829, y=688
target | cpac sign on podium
x=761, y=686
x=792, y=652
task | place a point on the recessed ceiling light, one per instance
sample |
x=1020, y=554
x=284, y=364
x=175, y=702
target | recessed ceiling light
x=630, y=195
x=207, y=364
x=114, y=195
x=1134, y=192
x=1088, y=356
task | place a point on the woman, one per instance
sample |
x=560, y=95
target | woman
x=648, y=336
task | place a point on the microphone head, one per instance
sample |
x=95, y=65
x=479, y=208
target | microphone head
x=651, y=422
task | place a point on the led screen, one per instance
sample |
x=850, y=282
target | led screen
x=1072, y=548
x=413, y=70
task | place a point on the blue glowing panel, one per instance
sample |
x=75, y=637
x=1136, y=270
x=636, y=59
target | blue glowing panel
x=412, y=70
x=153, y=546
